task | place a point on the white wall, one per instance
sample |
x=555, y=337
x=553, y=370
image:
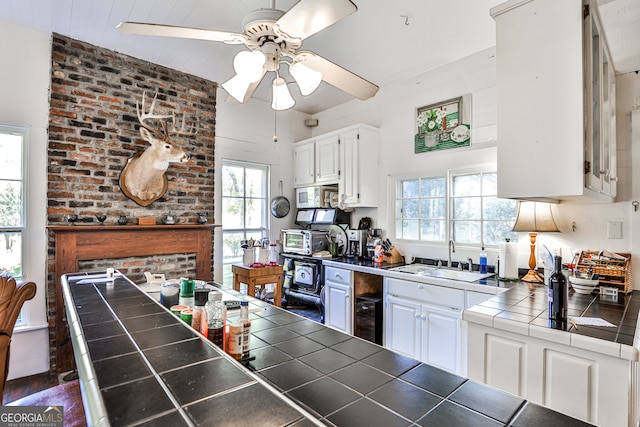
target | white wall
x=24, y=90
x=245, y=132
x=393, y=111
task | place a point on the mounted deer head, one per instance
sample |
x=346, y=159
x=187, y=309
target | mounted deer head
x=143, y=178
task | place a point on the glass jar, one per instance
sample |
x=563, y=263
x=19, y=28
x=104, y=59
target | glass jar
x=273, y=254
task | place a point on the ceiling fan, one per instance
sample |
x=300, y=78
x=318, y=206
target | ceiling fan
x=273, y=38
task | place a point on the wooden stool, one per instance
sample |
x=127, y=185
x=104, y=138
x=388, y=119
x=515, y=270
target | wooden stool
x=258, y=277
x=66, y=394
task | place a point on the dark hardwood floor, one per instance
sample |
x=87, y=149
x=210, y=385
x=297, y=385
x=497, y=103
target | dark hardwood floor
x=20, y=387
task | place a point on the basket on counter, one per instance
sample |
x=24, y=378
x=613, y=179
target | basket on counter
x=613, y=272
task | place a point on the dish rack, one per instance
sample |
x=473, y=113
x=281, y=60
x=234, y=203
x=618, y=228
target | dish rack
x=613, y=272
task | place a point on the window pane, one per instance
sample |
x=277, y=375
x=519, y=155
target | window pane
x=11, y=253
x=466, y=231
x=489, y=184
x=433, y=187
x=433, y=230
x=255, y=213
x=410, y=188
x=255, y=183
x=11, y=159
x=433, y=208
x=501, y=209
x=10, y=204
x=467, y=208
x=231, y=250
x=232, y=181
x=410, y=209
x=232, y=212
x=466, y=185
x=410, y=229
x=497, y=231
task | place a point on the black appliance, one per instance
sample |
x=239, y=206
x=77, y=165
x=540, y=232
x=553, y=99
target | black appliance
x=369, y=317
x=303, y=281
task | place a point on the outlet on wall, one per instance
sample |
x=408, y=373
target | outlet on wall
x=614, y=229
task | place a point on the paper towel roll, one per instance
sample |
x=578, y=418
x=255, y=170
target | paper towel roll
x=508, y=260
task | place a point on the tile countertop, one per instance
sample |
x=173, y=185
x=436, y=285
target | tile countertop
x=139, y=364
x=525, y=312
x=517, y=309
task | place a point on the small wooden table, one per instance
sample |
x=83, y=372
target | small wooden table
x=259, y=276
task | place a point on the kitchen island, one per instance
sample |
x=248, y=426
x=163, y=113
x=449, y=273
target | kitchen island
x=139, y=364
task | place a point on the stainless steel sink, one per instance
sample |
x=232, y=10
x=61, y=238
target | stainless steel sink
x=445, y=273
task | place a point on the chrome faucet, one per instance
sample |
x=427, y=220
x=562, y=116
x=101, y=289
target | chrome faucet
x=470, y=264
x=452, y=249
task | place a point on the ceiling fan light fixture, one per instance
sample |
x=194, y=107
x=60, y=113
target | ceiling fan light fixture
x=249, y=64
x=308, y=80
x=237, y=87
x=281, y=99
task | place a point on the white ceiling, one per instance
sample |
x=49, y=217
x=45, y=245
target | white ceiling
x=383, y=41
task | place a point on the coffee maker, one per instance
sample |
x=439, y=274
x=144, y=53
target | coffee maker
x=357, y=243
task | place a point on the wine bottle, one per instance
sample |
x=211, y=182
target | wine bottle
x=558, y=293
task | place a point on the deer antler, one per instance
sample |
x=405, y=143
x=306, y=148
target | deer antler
x=183, y=127
x=145, y=116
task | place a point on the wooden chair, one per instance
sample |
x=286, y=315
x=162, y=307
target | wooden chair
x=12, y=297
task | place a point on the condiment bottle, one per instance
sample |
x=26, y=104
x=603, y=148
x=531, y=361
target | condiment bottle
x=234, y=341
x=246, y=327
x=186, y=292
x=216, y=318
x=198, y=312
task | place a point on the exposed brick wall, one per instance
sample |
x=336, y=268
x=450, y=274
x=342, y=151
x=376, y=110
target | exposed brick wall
x=93, y=130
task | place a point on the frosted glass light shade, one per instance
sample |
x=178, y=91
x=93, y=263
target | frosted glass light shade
x=535, y=216
x=282, y=99
x=308, y=80
x=237, y=87
x=249, y=65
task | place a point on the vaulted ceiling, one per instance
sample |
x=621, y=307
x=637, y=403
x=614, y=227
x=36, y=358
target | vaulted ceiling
x=384, y=41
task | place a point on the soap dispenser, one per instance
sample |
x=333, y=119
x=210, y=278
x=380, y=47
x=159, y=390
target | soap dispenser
x=483, y=262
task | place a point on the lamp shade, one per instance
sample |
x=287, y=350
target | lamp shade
x=237, y=87
x=308, y=80
x=249, y=65
x=282, y=99
x=535, y=217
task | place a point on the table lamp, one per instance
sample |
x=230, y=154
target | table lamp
x=534, y=217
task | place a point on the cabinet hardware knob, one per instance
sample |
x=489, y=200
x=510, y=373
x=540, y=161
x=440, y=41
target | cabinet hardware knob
x=423, y=317
x=417, y=316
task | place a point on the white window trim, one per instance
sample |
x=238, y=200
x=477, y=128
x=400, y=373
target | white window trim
x=24, y=318
x=392, y=187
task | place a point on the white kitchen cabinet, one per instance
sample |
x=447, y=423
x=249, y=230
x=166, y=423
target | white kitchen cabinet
x=348, y=157
x=327, y=154
x=338, y=303
x=556, y=101
x=422, y=321
x=304, y=163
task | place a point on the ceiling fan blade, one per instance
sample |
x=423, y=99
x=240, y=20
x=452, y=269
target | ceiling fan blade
x=337, y=76
x=308, y=17
x=181, y=32
x=253, y=86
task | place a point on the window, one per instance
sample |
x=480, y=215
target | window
x=459, y=206
x=244, y=209
x=12, y=226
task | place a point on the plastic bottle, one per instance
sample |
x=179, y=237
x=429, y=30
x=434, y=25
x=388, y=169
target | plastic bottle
x=483, y=262
x=246, y=327
x=216, y=318
x=558, y=293
x=186, y=292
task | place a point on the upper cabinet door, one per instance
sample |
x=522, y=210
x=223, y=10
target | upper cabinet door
x=327, y=159
x=304, y=163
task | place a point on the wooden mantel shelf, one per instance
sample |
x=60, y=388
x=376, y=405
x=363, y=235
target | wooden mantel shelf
x=76, y=243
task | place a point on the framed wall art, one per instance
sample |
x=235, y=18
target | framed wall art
x=443, y=125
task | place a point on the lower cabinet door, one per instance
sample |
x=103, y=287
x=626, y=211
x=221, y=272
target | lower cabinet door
x=402, y=333
x=440, y=337
x=338, y=307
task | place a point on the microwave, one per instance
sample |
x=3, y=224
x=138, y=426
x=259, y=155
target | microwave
x=314, y=197
x=304, y=242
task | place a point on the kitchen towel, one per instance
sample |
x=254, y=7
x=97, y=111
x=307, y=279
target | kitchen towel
x=508, y=260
